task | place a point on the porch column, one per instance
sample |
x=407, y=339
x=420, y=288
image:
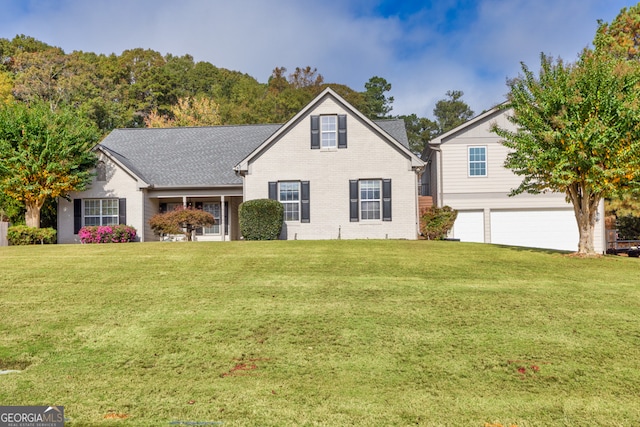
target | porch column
x=184, y=201
x=222, y=219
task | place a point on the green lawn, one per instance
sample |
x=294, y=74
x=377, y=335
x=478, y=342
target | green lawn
x=333, y=333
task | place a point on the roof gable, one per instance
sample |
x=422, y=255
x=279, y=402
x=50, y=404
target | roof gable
x=392, y=131
x=479, y=120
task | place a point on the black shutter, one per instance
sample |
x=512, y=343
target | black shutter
x=386, y=200
x=273, y=190
x=163, y=208
x=304, y=202
x=353, y=200
x=122, y=211
x=199, y=205
x=342, y=131
x=315, y=132
x=77, y=215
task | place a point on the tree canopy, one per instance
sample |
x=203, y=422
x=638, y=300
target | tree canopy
x=44, y=154
x=449, y=113
x=577, y=132
x=139, y=85
x=620, y=38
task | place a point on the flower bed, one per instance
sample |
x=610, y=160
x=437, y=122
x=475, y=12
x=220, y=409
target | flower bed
x=107, y=234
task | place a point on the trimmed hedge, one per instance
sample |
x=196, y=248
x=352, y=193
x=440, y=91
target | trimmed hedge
x=22, y=235
x=436, y=222
x=107, y=234
x=261, y=219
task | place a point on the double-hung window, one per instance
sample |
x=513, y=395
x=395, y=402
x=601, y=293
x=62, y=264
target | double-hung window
x=477, y=161
x=294, y=196
x=370, y=199
x=329, y=131
x=101, y=212
x=214, y=209
x=289, y=196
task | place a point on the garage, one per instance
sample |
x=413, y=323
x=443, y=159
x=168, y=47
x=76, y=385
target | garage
x=551, y=229
x=469, y=226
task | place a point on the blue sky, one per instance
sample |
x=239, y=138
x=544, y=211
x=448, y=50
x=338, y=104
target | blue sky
x=423, y=48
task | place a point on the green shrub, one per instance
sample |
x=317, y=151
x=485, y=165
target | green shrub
x=436, y=222
x=23, y=235
x=261, y=219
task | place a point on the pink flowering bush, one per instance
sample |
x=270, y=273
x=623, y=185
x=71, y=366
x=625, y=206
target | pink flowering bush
x=107, y=234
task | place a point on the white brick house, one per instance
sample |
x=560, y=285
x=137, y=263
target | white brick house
x=338, y=174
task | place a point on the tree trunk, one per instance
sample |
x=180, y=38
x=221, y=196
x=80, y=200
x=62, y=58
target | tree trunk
x=585, y=207
x=32, y=217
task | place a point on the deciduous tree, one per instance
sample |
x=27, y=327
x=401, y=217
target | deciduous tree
x=198, y=111
x=44, y=154
x=577, y=132
x=181, y=220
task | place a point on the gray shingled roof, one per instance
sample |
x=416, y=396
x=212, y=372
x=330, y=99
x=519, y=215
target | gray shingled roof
x=198, y=156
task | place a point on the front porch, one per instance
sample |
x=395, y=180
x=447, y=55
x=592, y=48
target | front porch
x=223, y=207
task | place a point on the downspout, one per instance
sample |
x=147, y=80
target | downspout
x=419, y=172
x=439, y=192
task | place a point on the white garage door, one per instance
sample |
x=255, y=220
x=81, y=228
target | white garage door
x=469, y=226
x=551, y=229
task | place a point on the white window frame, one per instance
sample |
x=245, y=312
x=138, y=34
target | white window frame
x=289, y=193
x=370, y=196
x=329, y=132
x=214, y=209
x=101, y=212
x=473, y=163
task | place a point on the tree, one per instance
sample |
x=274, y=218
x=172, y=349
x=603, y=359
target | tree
x=377, y=105
x=6, y=86
x=621, y=38
x=181, y=220
x=420, y=131
x=199, y=111
x=451, y=112
x=44, y=154
x=576, y=132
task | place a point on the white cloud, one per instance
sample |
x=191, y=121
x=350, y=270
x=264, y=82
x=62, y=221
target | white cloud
x=419, y=54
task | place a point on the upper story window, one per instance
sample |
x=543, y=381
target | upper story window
x=329, y=131
x=477, y=161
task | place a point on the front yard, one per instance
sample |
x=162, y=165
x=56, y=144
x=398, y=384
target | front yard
x=320, y=333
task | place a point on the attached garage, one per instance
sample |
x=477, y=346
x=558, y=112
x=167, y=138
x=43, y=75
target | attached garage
x=552, y=229
x=469, y=226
